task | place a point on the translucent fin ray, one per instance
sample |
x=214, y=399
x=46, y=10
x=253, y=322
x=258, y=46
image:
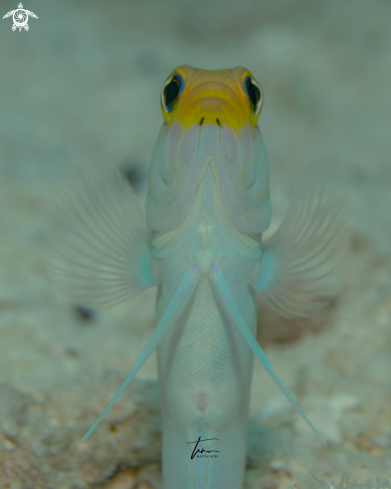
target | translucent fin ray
x=300, y=266
x=99, y=250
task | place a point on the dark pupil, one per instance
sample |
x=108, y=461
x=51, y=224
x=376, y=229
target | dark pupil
x=253, y=92
x=171, y=91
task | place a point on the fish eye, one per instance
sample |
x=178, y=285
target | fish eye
x=254, y=94
x=171, y=91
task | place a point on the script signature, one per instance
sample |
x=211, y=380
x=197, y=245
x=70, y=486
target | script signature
x=200, y=449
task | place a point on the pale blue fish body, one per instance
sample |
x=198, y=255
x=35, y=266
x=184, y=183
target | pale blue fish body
x=201, y=244
x=205, y=370
x=205, y=366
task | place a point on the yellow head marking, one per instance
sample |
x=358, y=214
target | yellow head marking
x=193, y=96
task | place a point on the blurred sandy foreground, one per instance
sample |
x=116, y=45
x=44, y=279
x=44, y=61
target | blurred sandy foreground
x=82, y=88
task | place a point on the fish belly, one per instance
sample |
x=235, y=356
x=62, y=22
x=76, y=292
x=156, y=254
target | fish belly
x=205, y=371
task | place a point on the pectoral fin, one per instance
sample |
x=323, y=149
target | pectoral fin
x=99, y=251
x=175, y=308
x=226, y=302
x=300, y=266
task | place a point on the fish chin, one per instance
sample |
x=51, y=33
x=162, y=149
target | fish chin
x=244, y=179
x=225, y=169
x=238, y=162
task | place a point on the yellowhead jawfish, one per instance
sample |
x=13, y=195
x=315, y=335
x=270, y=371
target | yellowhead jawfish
x=200, y=242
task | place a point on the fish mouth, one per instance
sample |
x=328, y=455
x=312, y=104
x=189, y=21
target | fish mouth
x=212, y=103
x=202, y=120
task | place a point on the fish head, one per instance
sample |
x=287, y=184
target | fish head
x=210, y=123
x=223, y=97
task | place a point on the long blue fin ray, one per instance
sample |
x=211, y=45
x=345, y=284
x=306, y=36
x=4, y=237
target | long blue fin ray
x=175, y=308
x=226, y=301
